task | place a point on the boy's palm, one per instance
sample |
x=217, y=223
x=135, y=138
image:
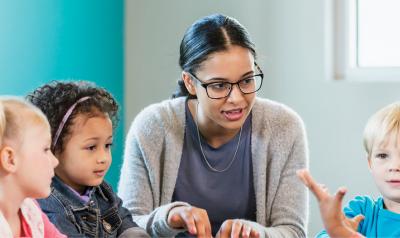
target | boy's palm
x=336, y=223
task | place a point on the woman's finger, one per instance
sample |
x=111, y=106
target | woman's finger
x=201, y=220
x=246, y=229
x=225, y=229
x=236, y=228
x=175, y=219
x=254, y=234
x=189, y=221
x=206, y=222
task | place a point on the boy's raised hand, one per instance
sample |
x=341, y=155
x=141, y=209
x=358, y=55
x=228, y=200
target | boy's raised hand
x=330, y=206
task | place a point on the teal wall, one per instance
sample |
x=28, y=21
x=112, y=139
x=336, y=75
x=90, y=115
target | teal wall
x=43, y=40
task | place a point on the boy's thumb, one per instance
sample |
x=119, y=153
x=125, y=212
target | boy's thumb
x=356, y=220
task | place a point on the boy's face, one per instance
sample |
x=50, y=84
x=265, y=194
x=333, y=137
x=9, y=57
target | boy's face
x=384, y=164
x=87, y=154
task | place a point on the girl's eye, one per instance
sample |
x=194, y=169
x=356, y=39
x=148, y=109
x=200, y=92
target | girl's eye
x=47, y=149
x=381, y=156
x=93, y=147
x=109, y=145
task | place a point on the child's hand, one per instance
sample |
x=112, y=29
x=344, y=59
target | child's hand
x=330, y=206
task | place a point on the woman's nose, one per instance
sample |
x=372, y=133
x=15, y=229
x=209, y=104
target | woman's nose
x=235, y=94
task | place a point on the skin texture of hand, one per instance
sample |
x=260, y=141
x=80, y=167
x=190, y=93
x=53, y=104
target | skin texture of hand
x=330, y=206
x=194, y=219
x=236, y=229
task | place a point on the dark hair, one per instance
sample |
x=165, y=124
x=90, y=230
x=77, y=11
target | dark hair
x=56, y=97
x=206, y=36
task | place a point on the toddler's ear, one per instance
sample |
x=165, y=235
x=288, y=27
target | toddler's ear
x=8, y=160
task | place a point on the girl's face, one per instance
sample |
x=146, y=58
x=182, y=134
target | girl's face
x=227, y=113
x=87, y=153
x=384, y=164
x=36, y=160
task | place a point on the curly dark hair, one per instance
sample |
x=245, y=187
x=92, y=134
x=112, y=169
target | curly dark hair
x=56, y=97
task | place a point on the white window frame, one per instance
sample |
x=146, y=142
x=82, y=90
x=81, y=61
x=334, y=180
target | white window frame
x=344, y=48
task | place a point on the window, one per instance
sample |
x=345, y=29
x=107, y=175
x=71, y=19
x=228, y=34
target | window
x=367, y=40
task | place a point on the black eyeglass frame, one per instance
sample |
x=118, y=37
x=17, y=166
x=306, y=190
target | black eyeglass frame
x=205, y=85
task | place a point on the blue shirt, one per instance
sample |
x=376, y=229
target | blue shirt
x=226, y=195
x=378, y=222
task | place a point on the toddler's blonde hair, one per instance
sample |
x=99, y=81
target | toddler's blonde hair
x=16, y=114
x=380, y=125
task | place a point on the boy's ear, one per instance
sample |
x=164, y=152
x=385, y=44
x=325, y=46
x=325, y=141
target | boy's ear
x=369, y=162
x=8, y=160
x=187, y=79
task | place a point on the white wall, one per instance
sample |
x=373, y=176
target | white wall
x=291, y=37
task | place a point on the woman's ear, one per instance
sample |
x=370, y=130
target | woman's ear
x=189, y=84
x=8, y=159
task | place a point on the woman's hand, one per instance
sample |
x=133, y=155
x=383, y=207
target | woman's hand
x=235, y=229
x=194, y=219
x=330, y=206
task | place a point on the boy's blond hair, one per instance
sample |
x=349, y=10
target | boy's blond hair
x=380, y=125
x=16, y=114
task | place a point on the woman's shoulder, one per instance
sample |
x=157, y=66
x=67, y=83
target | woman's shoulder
x=275, y=113
x=161, y=115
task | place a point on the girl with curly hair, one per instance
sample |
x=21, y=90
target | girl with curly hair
x=82, y=204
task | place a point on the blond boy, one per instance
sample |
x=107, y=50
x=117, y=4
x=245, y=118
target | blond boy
x=365, y=216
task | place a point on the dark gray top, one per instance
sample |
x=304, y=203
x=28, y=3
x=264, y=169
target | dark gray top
x=224, y=195
x=153, y=153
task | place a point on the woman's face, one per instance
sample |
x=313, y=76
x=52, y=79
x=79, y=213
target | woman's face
x=232, y=65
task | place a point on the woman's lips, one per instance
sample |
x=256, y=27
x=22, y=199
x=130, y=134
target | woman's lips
x=233, y=115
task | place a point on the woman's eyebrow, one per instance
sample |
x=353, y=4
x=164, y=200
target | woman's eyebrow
x=224, y=79
x=248, y=73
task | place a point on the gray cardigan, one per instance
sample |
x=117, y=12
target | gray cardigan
x=153, y=152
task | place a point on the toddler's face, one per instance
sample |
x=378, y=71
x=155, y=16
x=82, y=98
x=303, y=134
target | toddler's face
x=87, y=153
x=37, y=161
x=385, y=167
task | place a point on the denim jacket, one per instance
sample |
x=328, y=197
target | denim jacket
x=102, y=216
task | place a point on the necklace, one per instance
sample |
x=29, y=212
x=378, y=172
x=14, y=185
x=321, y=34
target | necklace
x=202, y=151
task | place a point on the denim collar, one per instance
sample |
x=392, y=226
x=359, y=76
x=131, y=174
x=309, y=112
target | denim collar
x=70, y=197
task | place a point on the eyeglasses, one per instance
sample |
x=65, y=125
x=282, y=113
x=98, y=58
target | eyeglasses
x=218, y=90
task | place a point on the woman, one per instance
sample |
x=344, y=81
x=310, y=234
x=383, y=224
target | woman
x=216, y=159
